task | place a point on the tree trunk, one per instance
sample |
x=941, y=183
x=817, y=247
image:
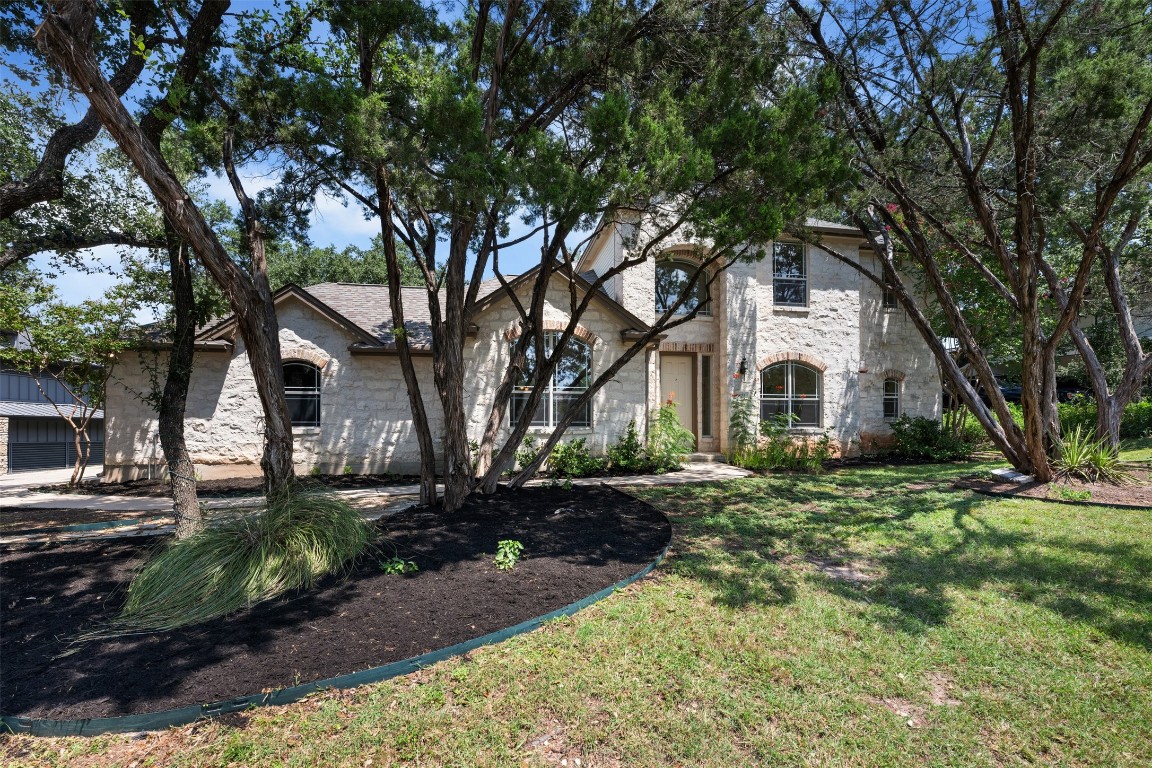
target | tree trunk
x=174, y=398
x=400, y=337
x=65, y=37
x=81, y=462
x=448, y=364
x=1109, y=413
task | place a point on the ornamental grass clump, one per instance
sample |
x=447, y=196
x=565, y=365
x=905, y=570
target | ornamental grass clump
x=295, y=540
x=1079, y=455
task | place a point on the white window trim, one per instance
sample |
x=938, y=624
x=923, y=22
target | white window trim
x=550, y=391
x=804, y=279
x=790, y=393
x=897, y=397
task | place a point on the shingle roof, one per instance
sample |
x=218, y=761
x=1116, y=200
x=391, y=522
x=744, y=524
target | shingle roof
x=365, y=309
x=367, y=306
x=34, y=410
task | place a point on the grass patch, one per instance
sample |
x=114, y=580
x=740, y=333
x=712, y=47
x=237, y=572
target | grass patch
x=289, y=544
x=865, y=617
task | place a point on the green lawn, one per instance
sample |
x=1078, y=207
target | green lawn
x=864, y=617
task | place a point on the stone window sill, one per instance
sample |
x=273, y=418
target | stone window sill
x=304, y=431
x=790, y=310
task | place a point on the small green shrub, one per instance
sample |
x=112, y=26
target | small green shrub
x=777, y=448
x=398, y=566
x=508, y=554
x=668, y=442
x=1071, y=494
x=573, y=459
x=1080, y=455
x=627, y=453
x=347, y=470
x=922, y=438
x=295, y=540
x=741, y=423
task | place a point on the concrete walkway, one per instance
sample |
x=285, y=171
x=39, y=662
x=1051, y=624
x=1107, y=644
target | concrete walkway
x=17, y=494
x=150, y=516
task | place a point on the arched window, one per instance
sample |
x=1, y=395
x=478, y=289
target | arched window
x=671, y=278
x=569, y=380
x=791, y=388
x=302, y=391
x=892, y=398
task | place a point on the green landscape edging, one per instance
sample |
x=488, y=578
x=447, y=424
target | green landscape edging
x=155, y=721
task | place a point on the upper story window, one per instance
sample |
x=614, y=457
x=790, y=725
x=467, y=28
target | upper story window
x=791, y=389
x=888, y=299
x=570, y=379
x=672, y=277
x=302, y=391
x=789, y=275
x=892, y=398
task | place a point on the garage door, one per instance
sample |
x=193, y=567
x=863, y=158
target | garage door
x=48, y=444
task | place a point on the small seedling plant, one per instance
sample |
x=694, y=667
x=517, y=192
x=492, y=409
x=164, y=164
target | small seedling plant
x=398, y=566
x=508, y=554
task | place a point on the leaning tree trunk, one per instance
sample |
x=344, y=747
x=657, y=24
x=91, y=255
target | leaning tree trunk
x=65, y=37
x=174, y=398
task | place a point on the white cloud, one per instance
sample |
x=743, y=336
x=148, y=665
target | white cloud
x=334, y=223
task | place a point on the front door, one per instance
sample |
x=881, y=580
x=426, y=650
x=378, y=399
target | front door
x=678, y=384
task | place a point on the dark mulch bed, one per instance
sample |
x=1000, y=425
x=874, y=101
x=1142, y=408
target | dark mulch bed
x=575, y=543
x=1137, y=495
x=228, y=487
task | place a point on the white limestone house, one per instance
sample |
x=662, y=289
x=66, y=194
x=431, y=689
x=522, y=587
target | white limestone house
x=799, y=331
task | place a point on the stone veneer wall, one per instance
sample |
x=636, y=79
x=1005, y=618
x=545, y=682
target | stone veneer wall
x=364, y=413
x=3, y=445
x=890, y=345
x=365, y=421
x=618, y=402
x=842, y=329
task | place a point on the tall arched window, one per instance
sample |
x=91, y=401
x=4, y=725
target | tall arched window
x=302, y=391
x=672, y=277
x=569, y=380
x=791, y=388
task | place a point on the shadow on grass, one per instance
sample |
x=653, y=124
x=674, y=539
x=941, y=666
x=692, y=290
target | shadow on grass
x=921, y=542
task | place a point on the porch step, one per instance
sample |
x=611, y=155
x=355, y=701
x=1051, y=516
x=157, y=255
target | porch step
x=707, y=458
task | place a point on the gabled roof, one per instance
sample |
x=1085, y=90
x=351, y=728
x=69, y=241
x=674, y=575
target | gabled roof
x=582, y=280
x=363, y=309
x=227, y=325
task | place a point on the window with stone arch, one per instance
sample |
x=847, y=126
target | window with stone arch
x=569, y=380
x=891, y=398
x=792, y=389
x=673, y=275
x=302, y=391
